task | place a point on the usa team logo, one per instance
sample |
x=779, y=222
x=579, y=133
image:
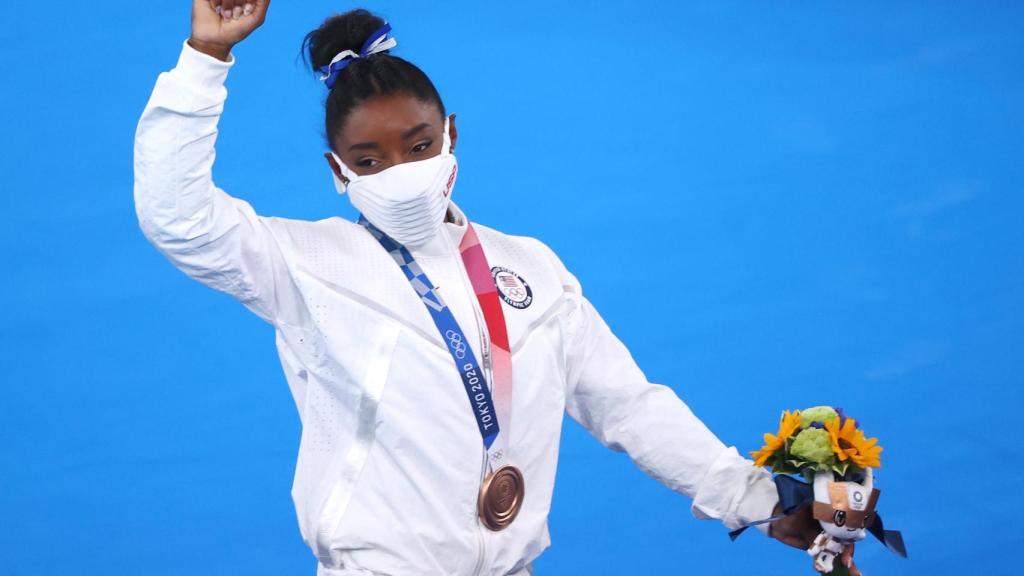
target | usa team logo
x=512, y=288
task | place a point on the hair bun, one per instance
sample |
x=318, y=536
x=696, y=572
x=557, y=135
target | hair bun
x=355, y=78
x=346, y=31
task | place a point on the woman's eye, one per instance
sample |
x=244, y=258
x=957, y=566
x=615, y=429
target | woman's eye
x=366, y=163
x=422, y=146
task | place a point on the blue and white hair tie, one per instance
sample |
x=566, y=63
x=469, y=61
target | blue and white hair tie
x=379, y=41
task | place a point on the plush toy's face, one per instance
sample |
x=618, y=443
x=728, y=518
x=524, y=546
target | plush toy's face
x=844, y=509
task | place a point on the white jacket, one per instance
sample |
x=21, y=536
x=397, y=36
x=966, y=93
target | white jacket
x=390, y=460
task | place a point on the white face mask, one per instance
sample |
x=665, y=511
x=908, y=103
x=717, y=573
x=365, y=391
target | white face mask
x=407, y=201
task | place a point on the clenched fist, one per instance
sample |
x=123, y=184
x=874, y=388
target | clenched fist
x=217, y=25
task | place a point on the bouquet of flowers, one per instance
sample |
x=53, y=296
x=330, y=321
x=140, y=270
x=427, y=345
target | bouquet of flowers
x=819, y=439
x=831, y=452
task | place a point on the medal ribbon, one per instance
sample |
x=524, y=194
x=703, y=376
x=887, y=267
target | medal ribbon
x=480, y=277
x=473, y=379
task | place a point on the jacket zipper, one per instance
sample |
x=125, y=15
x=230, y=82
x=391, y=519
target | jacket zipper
x=481, y=548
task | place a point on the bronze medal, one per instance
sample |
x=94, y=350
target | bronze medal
x=501, y=497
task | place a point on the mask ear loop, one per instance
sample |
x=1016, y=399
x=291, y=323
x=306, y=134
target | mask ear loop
x=446, y=139
x=446, y=150
x=342, y=184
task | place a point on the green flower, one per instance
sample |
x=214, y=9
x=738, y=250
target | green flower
x=819, y=414
x=813, y=445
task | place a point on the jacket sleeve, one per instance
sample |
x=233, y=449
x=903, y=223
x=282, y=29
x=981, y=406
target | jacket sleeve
x=213, y=237
x=609, y=395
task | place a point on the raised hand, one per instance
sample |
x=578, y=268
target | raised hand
x=217, y=25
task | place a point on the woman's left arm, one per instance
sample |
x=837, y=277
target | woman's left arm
x=609, y=395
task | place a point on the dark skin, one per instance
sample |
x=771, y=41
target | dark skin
x=388, y=130
x=392, y=129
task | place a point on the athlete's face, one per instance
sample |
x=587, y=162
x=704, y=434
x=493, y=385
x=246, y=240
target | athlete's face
x=388, y=130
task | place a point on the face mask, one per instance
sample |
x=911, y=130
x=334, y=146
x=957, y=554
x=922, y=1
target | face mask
x=407, y=201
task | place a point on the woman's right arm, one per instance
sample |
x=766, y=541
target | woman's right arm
x=213, y=237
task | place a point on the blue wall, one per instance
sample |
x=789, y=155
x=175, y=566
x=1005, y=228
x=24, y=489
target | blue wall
x=773, y=205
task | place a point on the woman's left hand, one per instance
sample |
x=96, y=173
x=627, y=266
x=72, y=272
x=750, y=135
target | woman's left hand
x=799, y=531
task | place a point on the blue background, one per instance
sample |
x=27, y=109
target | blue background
x=775, y=205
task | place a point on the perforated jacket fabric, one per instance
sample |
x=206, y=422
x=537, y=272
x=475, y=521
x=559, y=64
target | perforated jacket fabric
x=390, y=460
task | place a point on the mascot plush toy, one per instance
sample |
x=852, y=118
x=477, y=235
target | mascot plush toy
x=845, y=510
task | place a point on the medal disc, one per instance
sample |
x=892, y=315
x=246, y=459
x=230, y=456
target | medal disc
x=501, y=497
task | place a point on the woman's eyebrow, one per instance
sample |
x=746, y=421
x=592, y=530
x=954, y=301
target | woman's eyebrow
x=415, y=130
x=408, y=134
x=364, y=146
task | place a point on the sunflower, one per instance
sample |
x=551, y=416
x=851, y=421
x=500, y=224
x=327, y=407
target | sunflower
x=848, y=442
x=772, y=443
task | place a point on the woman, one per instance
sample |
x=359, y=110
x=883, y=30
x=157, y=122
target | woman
x=402, y=470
